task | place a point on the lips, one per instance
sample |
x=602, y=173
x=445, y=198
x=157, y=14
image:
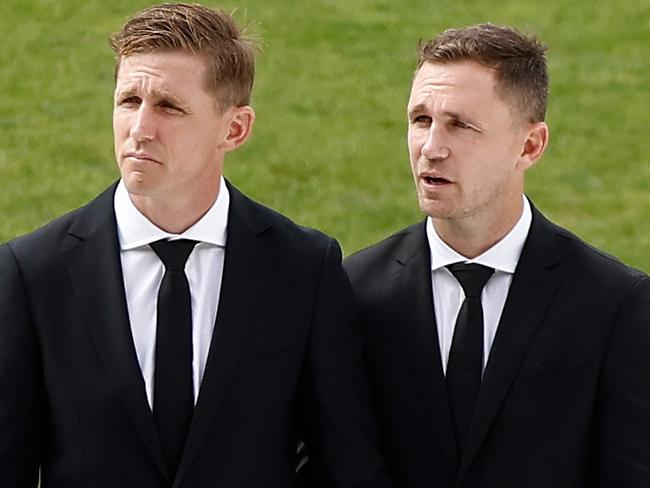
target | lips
x=141, y=156
x=434, y=180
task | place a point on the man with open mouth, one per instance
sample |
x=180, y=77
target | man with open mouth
x=503, y=351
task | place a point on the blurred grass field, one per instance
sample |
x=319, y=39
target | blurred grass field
x=328, y=147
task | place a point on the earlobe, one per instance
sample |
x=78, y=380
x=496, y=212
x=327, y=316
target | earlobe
x=239, y=130
x=534, y=145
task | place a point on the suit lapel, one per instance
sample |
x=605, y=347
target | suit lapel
x=96, y=276
x=247, y=268
x=416, y=318
x=533, y=287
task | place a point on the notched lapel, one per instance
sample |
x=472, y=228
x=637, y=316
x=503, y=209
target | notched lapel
x=247, y=269
x=416, y=318
x=531, y=294
x=96, y=276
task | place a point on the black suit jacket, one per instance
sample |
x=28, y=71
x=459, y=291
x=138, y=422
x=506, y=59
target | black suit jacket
x=565, y=399
x=285, y=347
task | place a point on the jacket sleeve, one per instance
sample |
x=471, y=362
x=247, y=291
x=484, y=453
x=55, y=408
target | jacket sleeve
x=21, y=390
x=340, y=425
x=623, y=406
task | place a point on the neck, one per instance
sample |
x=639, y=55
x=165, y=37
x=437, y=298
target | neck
x=176, y=215
x=472, y=236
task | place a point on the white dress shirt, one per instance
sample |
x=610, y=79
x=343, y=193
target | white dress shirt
x=448, y=295
x=143, y=272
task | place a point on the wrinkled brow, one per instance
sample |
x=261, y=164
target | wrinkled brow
x=134, y=89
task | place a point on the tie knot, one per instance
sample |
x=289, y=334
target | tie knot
x=472, y=277
x=173, y=254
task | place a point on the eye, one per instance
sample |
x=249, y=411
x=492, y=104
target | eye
x=460, y=124
x=421, y=120
x=169, y=106
x=129, y=101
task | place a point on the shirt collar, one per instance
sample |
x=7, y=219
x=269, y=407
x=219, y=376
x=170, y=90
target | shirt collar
x=503, y=256
x=135, y=230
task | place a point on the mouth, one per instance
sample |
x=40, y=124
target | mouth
x=437, y=181
x=140, y=157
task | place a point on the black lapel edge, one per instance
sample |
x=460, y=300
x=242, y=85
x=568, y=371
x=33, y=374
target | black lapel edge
x=415, y=315
x=96, y=275
x=533, y=288
x=248, y=262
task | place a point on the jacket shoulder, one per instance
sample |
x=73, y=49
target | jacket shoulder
x=377, y=258
x=61, y=234
x=595, y=265
x=289, y=234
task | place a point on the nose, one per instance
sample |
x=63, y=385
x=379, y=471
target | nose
x=435, y=147
x=143, y=128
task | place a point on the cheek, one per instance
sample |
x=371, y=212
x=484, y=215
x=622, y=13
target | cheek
x=118, y=139
x=414, y=144
x=197, y=146
x=201, y=144
x=120, y=127
x=413, y=159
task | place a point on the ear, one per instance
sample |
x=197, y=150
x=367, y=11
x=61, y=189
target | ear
x=239, y=128
x=536, y=140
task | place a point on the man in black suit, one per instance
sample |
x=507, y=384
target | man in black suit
x=173, y=332
x=503, y=351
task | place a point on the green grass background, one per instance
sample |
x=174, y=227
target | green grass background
x=329, y=147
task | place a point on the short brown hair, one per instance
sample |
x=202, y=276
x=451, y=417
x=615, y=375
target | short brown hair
x=209, y=33
x=518, y=60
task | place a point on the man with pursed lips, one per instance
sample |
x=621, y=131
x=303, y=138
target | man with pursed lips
x=173, y=332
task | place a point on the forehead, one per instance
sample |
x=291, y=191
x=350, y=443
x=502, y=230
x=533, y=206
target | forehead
x=174, y=71
x=463, y=83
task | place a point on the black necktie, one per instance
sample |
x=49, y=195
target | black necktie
x=465, y=365
x=173, y=402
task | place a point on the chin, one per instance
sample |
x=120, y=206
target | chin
x=429, y=206
x=435, y=210
x=136, y=184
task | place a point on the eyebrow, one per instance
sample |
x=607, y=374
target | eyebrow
x=160, y=94
x=420, y=107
